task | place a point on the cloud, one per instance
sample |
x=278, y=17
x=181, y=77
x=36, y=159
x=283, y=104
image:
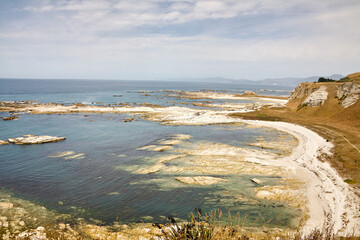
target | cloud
x=213, y=35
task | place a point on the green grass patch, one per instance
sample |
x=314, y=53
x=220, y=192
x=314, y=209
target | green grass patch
x=350, y=181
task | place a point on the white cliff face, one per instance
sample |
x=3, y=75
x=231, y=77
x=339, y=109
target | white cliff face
x=301, y=91
x=316, y=98
x=348, y=94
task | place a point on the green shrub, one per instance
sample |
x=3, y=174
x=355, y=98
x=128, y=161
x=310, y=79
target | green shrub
x=350, y=181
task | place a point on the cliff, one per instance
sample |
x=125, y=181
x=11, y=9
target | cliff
x=332, y=109
x=336, y=100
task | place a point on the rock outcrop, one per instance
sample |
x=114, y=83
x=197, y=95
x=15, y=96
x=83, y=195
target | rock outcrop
x=317, y=98
x=2, y=142
x=345, y=94
x=10, y=118
x=33, y=139
x=348, y=94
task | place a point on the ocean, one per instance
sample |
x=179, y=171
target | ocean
x=101, y=184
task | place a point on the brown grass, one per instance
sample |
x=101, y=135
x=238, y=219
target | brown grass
x=333, y=122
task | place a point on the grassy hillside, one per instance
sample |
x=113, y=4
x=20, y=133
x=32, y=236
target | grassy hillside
x=331, y=120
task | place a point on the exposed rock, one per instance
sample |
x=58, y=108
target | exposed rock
x=348, y=94
x=10, y=118
x=201, y=180
x=129, y=119
x=16, y=113
x=301, y=91
x=62, y=226
x=6, y=205
x=2, y=142
x=249, y=93
x=316, y=98
x=33, y=139
x=257, y=181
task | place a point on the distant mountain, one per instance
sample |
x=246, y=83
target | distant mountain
x=296, y=81
x=290, y=81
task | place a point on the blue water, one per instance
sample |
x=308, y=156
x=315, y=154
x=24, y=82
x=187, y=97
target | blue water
x=85, y=186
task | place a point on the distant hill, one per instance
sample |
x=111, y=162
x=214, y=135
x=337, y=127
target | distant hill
x=289, y=81
x=354, y=77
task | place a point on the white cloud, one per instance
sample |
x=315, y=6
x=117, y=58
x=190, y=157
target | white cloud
x=95, y=32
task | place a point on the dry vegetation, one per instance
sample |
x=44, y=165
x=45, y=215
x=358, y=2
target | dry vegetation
x=335, y=123
x=215, y=225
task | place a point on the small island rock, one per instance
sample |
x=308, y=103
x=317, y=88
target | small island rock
x=33, y=139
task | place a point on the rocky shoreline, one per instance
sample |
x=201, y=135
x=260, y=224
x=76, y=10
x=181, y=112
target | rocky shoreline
x=327, y=200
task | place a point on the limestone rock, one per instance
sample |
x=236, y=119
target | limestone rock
x=302, y=90
x=249, y=93
x=129, y=119
x=348, y=94
x=2, y=142
x=33, y=139
x=257, y=181
x=201, y=180
x=316, y=98
x=6, y=205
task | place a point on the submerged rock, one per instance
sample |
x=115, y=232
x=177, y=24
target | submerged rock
x=201, y=180
x=68, y=155
x=170, y=142
x=153, y=169
x=156, y=148
x=181, y=136
x=34, y=139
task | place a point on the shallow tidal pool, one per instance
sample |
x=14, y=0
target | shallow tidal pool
x=101, y=171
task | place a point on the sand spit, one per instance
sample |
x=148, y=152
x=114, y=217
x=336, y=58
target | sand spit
x=330, y=200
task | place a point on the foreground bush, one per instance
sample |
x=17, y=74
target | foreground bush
x=214, y=226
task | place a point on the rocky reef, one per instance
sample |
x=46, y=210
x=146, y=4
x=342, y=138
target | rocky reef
x=201, y=180
x=10, y=118
x=34, y=139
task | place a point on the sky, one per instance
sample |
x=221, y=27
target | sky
x=174, y=39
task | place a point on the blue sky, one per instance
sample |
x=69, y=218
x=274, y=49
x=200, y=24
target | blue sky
x=161, y=39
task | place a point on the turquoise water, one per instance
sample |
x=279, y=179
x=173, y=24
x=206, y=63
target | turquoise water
x=98, y=186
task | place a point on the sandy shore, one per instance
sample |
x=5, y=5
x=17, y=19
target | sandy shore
x=331, y=203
